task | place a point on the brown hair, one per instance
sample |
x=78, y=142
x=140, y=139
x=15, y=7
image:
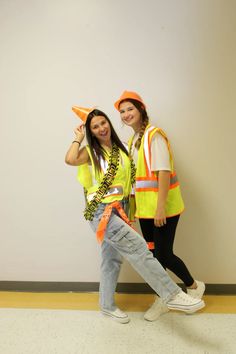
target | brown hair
x=95, y=147
x=144, y=118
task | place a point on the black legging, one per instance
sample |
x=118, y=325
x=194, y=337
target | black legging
x=163, y=238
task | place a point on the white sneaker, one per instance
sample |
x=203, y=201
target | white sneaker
x=157, y=309
x=198, y=292
x=117, y=315
x=184, y=302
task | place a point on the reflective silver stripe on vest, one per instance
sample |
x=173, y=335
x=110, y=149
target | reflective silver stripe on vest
x=154, y=184
x=173, y=180
x=111, y=191
x=146, y=184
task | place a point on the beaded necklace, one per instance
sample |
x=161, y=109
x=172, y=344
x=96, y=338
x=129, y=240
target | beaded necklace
x=107, y=181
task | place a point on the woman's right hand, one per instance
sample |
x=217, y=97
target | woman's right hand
x=80, y=132
x=77, y=155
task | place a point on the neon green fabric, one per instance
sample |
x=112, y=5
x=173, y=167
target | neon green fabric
x=146, y=186
x=90, y=179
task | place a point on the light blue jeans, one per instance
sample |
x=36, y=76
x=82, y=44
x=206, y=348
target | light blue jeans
x=120, y=241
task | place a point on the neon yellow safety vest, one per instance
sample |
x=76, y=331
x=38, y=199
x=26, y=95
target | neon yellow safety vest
x=91, y=179
x=146, y=186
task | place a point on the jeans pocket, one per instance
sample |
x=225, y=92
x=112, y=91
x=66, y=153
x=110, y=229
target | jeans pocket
x=125, y=238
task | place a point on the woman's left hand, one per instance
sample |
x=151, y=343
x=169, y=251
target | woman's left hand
x=160, y=217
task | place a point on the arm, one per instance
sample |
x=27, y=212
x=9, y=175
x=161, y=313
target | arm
x=164, y=184
x=161, y=165
x=76, y=156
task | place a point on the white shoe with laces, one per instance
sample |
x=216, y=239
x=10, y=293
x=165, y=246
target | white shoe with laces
x=199, y=291
x=184, y=302
x=157, y=309
x=116, y=315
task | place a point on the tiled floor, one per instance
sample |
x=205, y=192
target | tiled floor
x=70, y=323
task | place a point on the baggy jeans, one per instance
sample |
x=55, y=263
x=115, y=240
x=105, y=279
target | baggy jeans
x=120, y=241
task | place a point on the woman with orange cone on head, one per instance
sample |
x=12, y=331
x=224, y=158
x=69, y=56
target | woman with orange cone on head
x=158, y=199
x=106, y=171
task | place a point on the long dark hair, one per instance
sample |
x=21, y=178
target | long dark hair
x=96, y=149
x=144, y=117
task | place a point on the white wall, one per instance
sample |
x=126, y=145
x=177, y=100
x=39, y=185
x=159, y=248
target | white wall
x=180, y=56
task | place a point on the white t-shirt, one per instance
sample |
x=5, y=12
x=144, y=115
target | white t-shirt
x=160, y=157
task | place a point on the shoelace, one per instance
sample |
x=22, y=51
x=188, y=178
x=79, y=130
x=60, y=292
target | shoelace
x=184, y=298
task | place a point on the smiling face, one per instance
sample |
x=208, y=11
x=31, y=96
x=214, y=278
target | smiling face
x=100, y=129
x=130, y=115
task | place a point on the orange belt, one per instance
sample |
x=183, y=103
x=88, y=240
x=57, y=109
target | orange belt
x=106, y=216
